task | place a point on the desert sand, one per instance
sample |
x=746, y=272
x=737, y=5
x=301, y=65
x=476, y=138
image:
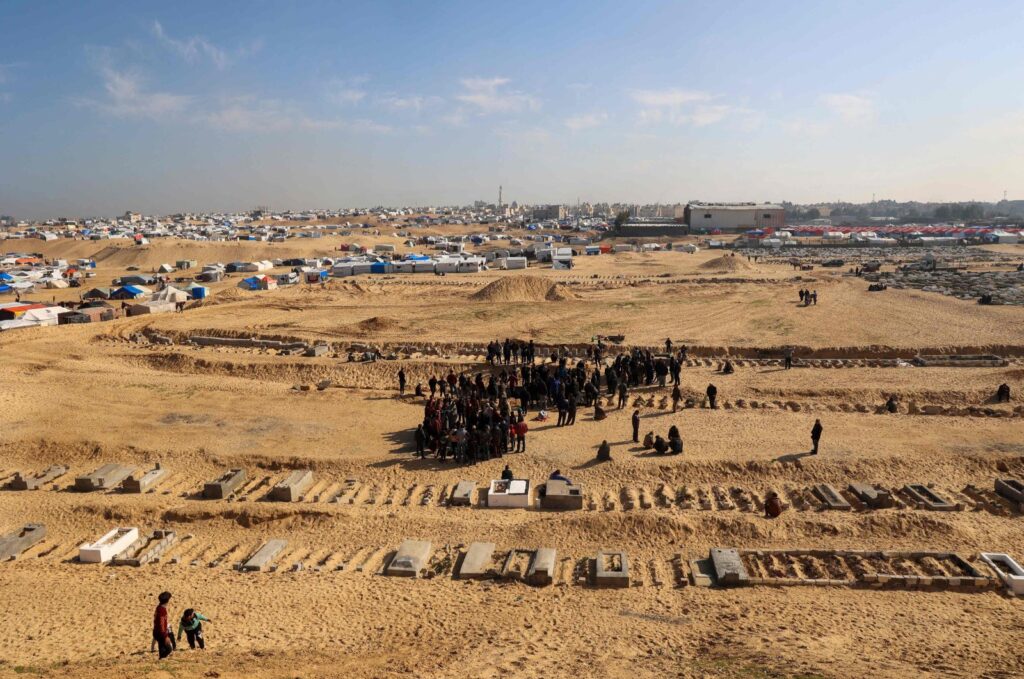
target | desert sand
x=88, y=395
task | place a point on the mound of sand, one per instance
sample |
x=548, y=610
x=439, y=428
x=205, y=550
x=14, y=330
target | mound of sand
x=725, y=263
x=379, y=324
x=522, y=289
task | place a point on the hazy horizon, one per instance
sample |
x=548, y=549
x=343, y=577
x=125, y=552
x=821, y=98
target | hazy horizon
x=200, y=107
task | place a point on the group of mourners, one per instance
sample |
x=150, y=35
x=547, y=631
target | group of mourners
x=808, y=297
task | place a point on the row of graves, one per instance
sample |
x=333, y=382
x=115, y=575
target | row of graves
x=1004, y=498
x=542, y=566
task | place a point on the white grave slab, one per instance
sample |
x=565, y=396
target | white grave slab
x=514, y=493
x=108, y=546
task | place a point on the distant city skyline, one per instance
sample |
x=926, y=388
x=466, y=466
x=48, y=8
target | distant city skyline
x=107, y=106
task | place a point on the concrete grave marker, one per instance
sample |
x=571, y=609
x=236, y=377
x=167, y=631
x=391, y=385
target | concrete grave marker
x=462, y=494
x=611, y=569
x=515, y=493
x=1008, y=570
x=476, y=561
x=873, y=497
x=262, y=559
x=729, y=568
x=542, y=569
x=410, y=559
x=225, y=485
x=831, y=497
x=14, y=544
x=147, y=550
x=35, y=482
x=292, y=488
x=148, y=480
x=1011, y=489
x=108, y=546
x=561, y=496
x=105, y=478
x=926, y=498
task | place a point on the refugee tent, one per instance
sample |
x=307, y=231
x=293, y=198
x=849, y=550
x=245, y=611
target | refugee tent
x=380, y=267
x=129, y=292
x=4, y=276
x=197, y=291
x=689, y=247
x=592, y=250
x=258, y=283
x=56, y=283
x=165, y=268
x=341, y=269
x=5, y=289
x=150, y=308
x=13, y=324
x=97, y=293
x=170, y=294
x=44, y=316
x=317, y=276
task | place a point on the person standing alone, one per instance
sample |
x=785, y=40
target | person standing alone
x=816, y=436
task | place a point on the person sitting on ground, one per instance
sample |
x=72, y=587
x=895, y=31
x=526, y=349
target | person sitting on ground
x=557, y=476
x=673, y=432
x=604, y=452
x=192, y=625
x=675, y=445
x=506, y=474
x=772, y=505
x=599, y=413
x=727, y=369
x=660, y=445
x=1003, y=393
x=649, y=440
x=419, y=390
x=893, y=404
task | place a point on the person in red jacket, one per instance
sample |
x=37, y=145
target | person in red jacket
x=521, y=429
x=161, y=626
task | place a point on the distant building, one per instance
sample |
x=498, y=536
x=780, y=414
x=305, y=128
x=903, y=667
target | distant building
x=543, y=212
x=133, y=217
x=734, y=217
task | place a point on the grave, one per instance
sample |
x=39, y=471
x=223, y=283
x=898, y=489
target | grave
x=264, y=556
x=926, y=498
x=318, y=350
x=105, y=478
x=560, y=495
x=146, y=550
x=514, y=493
x=611, y=569
x=145, y=482
x=108, y=546
x=476, y=561
x=873, y=497
x=12, y=545
x=729, y=568
x=831, y=497
x=542, y=569
x=35, y=482
x=225, y=485
x=1008, y=570
x=292, y=488
x=1011, y=489
x=410, y=559
x=702, y=572
x=462, y=494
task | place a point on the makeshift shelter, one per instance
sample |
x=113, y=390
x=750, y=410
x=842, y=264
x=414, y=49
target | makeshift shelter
x=197, y=291
x=165, y=268
x=98, y=293
x=258, y=283
x=129, y=292
x=170, y=294
x=150, y=308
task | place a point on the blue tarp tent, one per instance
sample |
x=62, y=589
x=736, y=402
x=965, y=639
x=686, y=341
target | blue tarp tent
x=197, y=291
x=4, y=276
x=412, y=257
x=4, y=289
x=378, y=267
x=251, y=283
x=127, y=292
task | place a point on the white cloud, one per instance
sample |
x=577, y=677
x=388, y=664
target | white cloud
x=408, y=103
x=681, y=107
x=489, y=95
x=126, y=97
x=347, y=91
x=854, y=109
x=586, y=121
x=250, y=114
x=196, y=49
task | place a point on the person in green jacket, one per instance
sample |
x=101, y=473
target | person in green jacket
x=192, y=625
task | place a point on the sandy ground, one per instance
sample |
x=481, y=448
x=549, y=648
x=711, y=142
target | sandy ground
x=84, y=396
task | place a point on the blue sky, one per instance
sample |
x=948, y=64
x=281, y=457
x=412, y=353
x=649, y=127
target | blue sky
x=163, y=107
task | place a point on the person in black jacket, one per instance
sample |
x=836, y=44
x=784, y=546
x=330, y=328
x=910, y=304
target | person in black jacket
x=636, y=426
x=816, y=436
x=712, y=393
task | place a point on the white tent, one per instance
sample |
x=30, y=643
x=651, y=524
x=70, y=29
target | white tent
x=170, y=294
x=165, y=268
x=45, y=316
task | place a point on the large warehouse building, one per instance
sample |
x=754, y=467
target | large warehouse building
x=734, y=217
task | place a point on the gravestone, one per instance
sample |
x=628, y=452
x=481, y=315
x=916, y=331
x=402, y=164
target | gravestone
x=1008, y=570
x=515, y=493
x=149, y=549
x=560, y=495
x=926, y=498
x=462, y=494
x=831, y=497
x=476, y=561
x=105, y=478
x=611, y=569
x=542, y=568
x=318, y=350
x=35, y=482
x=108, y=546
x=702, y=572
x=729, y=568
x=410, y=559
x=292, y=488
x=225, y=485
x=145, y=482
x=14, y=544
x=1011, y=489
x=262, y=559
x=873, y=497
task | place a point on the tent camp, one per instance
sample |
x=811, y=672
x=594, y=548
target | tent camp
x=258, y=283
